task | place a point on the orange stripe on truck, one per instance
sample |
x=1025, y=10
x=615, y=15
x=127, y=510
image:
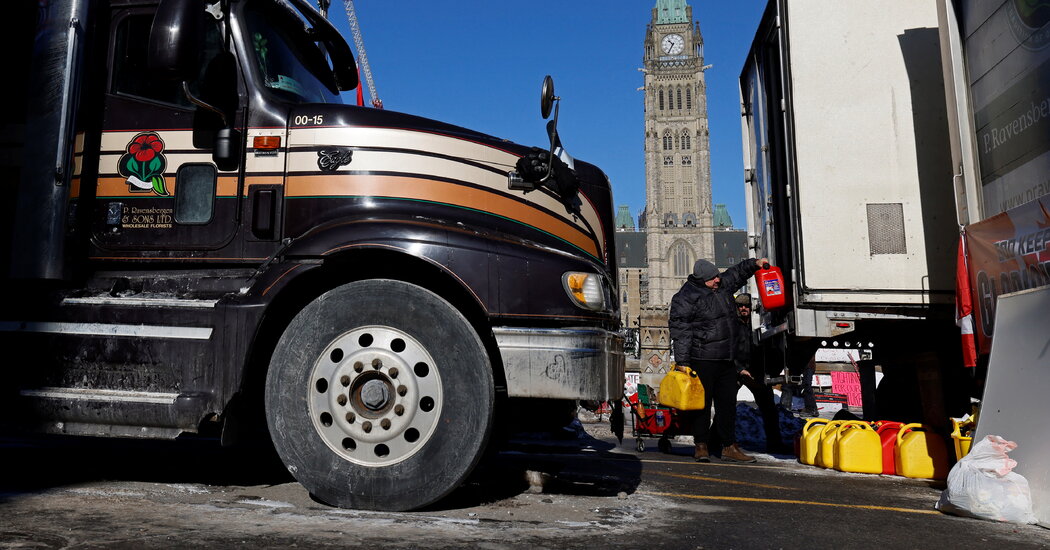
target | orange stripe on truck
x=401, y=187
x=226, y=186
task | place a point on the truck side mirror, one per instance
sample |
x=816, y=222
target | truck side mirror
x=547, y=96
x=174, y=41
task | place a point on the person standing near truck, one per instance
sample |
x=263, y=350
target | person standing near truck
x=705, y=330
x=751, y=376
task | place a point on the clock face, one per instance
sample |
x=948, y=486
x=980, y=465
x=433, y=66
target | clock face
x=673, y=44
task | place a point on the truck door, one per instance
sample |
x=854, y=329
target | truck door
x=158, y=188
x=757, y=144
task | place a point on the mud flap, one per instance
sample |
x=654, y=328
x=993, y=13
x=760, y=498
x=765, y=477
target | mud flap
x=616, y=420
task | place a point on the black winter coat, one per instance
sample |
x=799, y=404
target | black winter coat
x=703, y=322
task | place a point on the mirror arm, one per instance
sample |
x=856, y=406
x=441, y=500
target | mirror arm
x=189, y=95
x=554, y=140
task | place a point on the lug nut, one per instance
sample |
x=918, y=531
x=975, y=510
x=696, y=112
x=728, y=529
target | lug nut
x=350, y=417
x=402, y=390
x=358, y=366
x=342, y=400
x=393, y=372
x=385, y=423
x=399, y=409
x=376, y=363
x=367, y=427
x=345, y=380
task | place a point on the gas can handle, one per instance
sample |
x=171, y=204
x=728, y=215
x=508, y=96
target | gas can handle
x=908, y=428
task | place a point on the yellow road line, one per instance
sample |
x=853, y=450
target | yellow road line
x=690, y=462
x=789, y=501
x=717, y=480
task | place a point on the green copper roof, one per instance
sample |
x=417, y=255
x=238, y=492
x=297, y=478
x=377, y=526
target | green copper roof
x=623, y=218
x=670, y=11
x=721, y=216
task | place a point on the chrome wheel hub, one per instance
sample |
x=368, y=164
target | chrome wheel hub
x=375, y=396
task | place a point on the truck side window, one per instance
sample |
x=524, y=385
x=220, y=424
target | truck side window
x=130, y=74
x=195, y=193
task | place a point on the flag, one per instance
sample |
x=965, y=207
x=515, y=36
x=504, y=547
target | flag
x=964, y=305
x=360, y=89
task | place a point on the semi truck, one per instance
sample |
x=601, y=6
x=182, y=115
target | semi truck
x=849, y=189
x=197, y=234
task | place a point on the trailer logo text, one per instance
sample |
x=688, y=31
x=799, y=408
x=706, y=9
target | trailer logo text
x=1028, y=22
x=144, y=164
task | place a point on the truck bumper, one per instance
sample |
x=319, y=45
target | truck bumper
x=562, y=363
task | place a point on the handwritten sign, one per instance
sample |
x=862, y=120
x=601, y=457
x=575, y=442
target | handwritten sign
x=847, y=383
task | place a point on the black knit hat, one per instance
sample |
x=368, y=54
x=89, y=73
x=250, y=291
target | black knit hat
x=704, y=270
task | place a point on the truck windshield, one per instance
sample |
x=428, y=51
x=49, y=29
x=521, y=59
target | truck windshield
x=288, y=60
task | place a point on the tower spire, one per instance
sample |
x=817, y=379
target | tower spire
x=670, y=11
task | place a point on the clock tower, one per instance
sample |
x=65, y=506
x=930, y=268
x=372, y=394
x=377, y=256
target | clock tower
x=678, y=216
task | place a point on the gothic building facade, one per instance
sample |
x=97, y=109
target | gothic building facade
x=677, y=225
x=678, y=214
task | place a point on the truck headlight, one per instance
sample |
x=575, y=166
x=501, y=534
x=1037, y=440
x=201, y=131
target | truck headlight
x=585, y=289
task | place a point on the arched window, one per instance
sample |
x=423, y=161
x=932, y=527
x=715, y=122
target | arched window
x=686, y=142
x=689, y=97
x=682, y=259
x=667, y=142
x=661, y=99
x=679, y=97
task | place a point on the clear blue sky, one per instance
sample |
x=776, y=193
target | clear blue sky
x=479, y=64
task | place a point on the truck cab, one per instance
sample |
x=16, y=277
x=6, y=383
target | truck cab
x=201, y=231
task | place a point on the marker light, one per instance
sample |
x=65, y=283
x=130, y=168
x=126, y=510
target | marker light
x=267, y=143
x=585, y=289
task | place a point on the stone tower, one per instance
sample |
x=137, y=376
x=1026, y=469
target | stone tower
x=678, y=215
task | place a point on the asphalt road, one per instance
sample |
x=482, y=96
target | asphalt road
x=573, y=492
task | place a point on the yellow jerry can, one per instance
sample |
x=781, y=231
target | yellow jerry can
x=858, y=449
x=681, y=389
x=810, y=440
x=826, y=449
x=962, y=437
x=920, y=453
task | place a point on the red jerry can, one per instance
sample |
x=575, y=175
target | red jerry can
x=770, y=283
x=887, y=431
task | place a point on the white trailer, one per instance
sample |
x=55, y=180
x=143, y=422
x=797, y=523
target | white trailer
x=848, y=177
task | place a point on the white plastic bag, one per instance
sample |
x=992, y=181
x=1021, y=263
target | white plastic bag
x=983, y=485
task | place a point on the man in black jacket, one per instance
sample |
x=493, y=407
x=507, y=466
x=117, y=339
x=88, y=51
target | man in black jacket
x=705, y=331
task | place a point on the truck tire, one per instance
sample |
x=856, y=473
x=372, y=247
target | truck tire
x=379, y=396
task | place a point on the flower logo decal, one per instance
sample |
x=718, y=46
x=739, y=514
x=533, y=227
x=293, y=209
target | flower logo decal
x=144, y=164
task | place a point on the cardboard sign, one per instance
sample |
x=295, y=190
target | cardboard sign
x=631, y=380
x=847, y=383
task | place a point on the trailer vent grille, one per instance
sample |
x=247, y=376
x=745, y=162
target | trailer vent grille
x=886, y=228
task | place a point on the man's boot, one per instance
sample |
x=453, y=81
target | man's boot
x=733, y=453
x=701, y=453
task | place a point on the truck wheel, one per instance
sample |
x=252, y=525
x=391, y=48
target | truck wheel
x=379, y=396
